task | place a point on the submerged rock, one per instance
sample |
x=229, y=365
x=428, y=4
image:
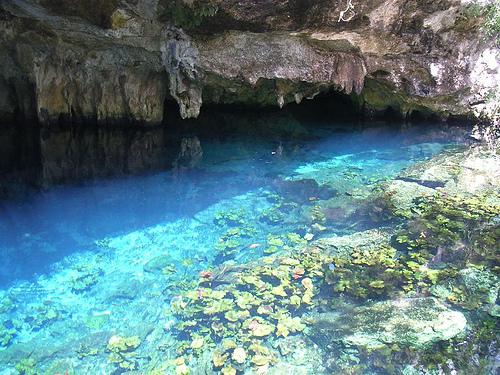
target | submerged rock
x=343, y=246
x=473, y=288
x=409, y=322
x=471, y=171
x=157, y=264
x=402, y=193
x=303, y=190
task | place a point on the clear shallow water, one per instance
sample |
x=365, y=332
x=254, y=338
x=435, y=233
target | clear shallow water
x=80, y=263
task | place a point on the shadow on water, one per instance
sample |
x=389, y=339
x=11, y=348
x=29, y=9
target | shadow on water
x=120, y=180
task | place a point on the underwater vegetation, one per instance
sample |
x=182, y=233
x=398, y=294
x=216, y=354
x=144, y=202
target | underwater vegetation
x=467, y=225
x=445, y=246
x=85, y=278
x=442, y=234
x=357, y=273
x=258, y=302
x=122, y=352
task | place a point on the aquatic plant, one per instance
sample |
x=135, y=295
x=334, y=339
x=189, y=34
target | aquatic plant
x=181, y=367
x=457, y=352
x=231, y=217
x=286, y=242
x=379, y=208
x=369, y=272
x=6, y=335
x=42, y=315
x=122, y=351
x=6, y=304
x=438, y=225
x=27, y=366
x=384, y=271
x=243, y=231
x=227, y=248
x=84, y=351
x=233, y=238
x=445, y=222
x=263, y=301
x=473, y=288
x=86, y=277
x=272, y=216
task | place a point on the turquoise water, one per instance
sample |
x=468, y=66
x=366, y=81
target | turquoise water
x=82, y=263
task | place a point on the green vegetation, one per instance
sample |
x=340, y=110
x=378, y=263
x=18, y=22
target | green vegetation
x=27, y=366
x=445, y=223
x=231, y=217
x=487, y=17
x=234, y=321
x=6, y=335
x=85, y=279
x=122, y=351
x=492, y=20
x=189, y=16
x=445, y=246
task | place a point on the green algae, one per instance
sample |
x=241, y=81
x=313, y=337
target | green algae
x=272, y=216
x=122, y=351
x=43, y=315
x=231, y=217
x=27, y=366
x=474, y=287
x=6, y=304
x=6, y=335
x=481, y=335
x=84, y=351
x=86, y=277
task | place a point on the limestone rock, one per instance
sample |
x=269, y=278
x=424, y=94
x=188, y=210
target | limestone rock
x=343, y=246
x=412, y=322
x=402, y=193
x=180, y=58
x=110, y=61
x=473, y=171
x=157, y=264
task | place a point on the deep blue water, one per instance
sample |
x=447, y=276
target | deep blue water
x=48, y=225
x=108, y=230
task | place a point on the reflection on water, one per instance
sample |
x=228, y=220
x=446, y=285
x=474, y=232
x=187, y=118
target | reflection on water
x=81, y=263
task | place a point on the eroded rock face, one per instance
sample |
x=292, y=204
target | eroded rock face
x=101, y=87
x=69, y=69
x=109, y=61
x=181, y=62
x=298, y=68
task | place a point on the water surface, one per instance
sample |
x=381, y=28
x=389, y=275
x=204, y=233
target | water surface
x=82, y=262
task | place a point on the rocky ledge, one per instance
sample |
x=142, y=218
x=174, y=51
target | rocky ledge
x=118, y=61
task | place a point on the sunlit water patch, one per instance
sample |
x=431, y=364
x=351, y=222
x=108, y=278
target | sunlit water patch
x=80, y=264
